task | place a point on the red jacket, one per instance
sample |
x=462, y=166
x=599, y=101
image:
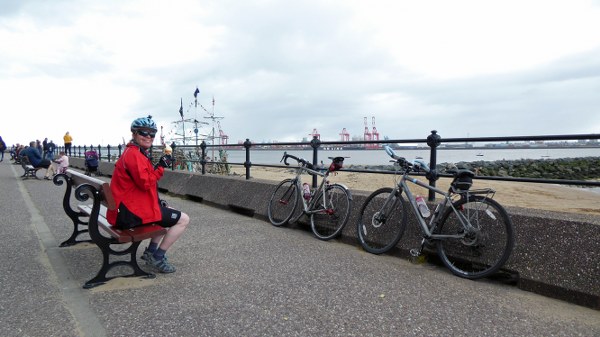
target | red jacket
x=134, y=183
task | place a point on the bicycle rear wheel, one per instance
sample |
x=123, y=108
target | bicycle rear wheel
x=283, y=202
x=382, y=221
x=333, y=215
x=482, y=252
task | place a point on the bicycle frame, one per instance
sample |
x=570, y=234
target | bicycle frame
x=310, y=207
x=427, y=229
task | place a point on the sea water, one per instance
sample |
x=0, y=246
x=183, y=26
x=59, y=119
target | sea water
x=379, y=157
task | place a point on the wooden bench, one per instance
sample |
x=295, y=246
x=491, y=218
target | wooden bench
x=30, y=171
x=100, y=231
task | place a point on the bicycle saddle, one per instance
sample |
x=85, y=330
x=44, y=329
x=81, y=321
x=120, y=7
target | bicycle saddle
x=460, y=173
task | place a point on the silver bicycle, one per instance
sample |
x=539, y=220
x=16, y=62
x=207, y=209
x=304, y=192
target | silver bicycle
x=472, y=232
x=328, y=206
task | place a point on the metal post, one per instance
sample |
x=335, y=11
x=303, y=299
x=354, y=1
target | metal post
x=173, y=156
x=108, y=150
x=203, y=159
x=247, y=163
x=99, y=152
x=120, y=149
x=433, y=140
x=315, y=143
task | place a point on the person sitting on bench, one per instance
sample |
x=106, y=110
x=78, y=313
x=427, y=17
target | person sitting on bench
x=60, y=165
x=134, y=186
x=34, y=156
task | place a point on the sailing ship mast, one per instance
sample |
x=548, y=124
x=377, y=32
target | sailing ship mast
x=214, y=120
x=182, y=122
x=212, y=136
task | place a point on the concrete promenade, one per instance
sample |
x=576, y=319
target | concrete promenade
x=240, y=276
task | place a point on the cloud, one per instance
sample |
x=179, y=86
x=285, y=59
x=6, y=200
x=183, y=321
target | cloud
x=278, y=70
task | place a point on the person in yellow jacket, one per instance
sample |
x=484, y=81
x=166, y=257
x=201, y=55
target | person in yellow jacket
x=68, y=141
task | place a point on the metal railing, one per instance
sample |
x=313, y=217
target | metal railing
x=105, y=153
x=433, y=141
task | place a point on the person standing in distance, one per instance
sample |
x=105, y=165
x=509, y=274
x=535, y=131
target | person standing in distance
x=2, y=148
x=68, y=142
x=134, y=187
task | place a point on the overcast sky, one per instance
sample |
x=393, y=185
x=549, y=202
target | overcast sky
x=279, y=69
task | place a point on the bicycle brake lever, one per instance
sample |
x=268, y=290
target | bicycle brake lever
x=419, y=163
x=284, y=159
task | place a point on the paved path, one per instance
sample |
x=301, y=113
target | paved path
x=240, y=276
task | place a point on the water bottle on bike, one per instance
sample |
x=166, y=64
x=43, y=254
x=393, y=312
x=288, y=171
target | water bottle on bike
x=423, y=209
x=306, y=191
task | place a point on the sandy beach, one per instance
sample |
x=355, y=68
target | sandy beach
x=527, y=195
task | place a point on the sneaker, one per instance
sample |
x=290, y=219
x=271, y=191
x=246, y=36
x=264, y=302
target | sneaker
x=46, y=178
x=146, y=255
x=162, y=266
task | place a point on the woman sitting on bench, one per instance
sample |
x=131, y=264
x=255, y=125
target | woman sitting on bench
x=134, y=186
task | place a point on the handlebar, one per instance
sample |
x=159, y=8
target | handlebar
x=336, y=163
x=304, y=162
x=417, y=163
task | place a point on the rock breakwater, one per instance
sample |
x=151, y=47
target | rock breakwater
x=585, y=168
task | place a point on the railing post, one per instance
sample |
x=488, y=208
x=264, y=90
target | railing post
x=203, y=159
x=433, y=140
x=120, y=147
x=173, y=156
x=247, y=163
x=99, y=152
x=84, y=150
x=108, y=152
x=315, y=143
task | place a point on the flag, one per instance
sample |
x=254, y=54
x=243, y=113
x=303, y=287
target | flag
x=181, y=109
x=196, y=97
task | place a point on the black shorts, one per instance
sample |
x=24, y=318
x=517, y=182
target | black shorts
x=170, y=217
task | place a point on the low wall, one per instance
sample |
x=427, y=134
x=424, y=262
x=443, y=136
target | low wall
x=556, y=254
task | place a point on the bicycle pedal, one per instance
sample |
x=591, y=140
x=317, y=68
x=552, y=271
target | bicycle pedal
x=415, y=252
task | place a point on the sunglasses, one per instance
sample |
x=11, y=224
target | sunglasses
x=146, y=134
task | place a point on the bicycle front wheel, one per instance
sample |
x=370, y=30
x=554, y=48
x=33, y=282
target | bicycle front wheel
x=382, y=221
x=283, y=202
x=481, y=250
x=333, y=212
